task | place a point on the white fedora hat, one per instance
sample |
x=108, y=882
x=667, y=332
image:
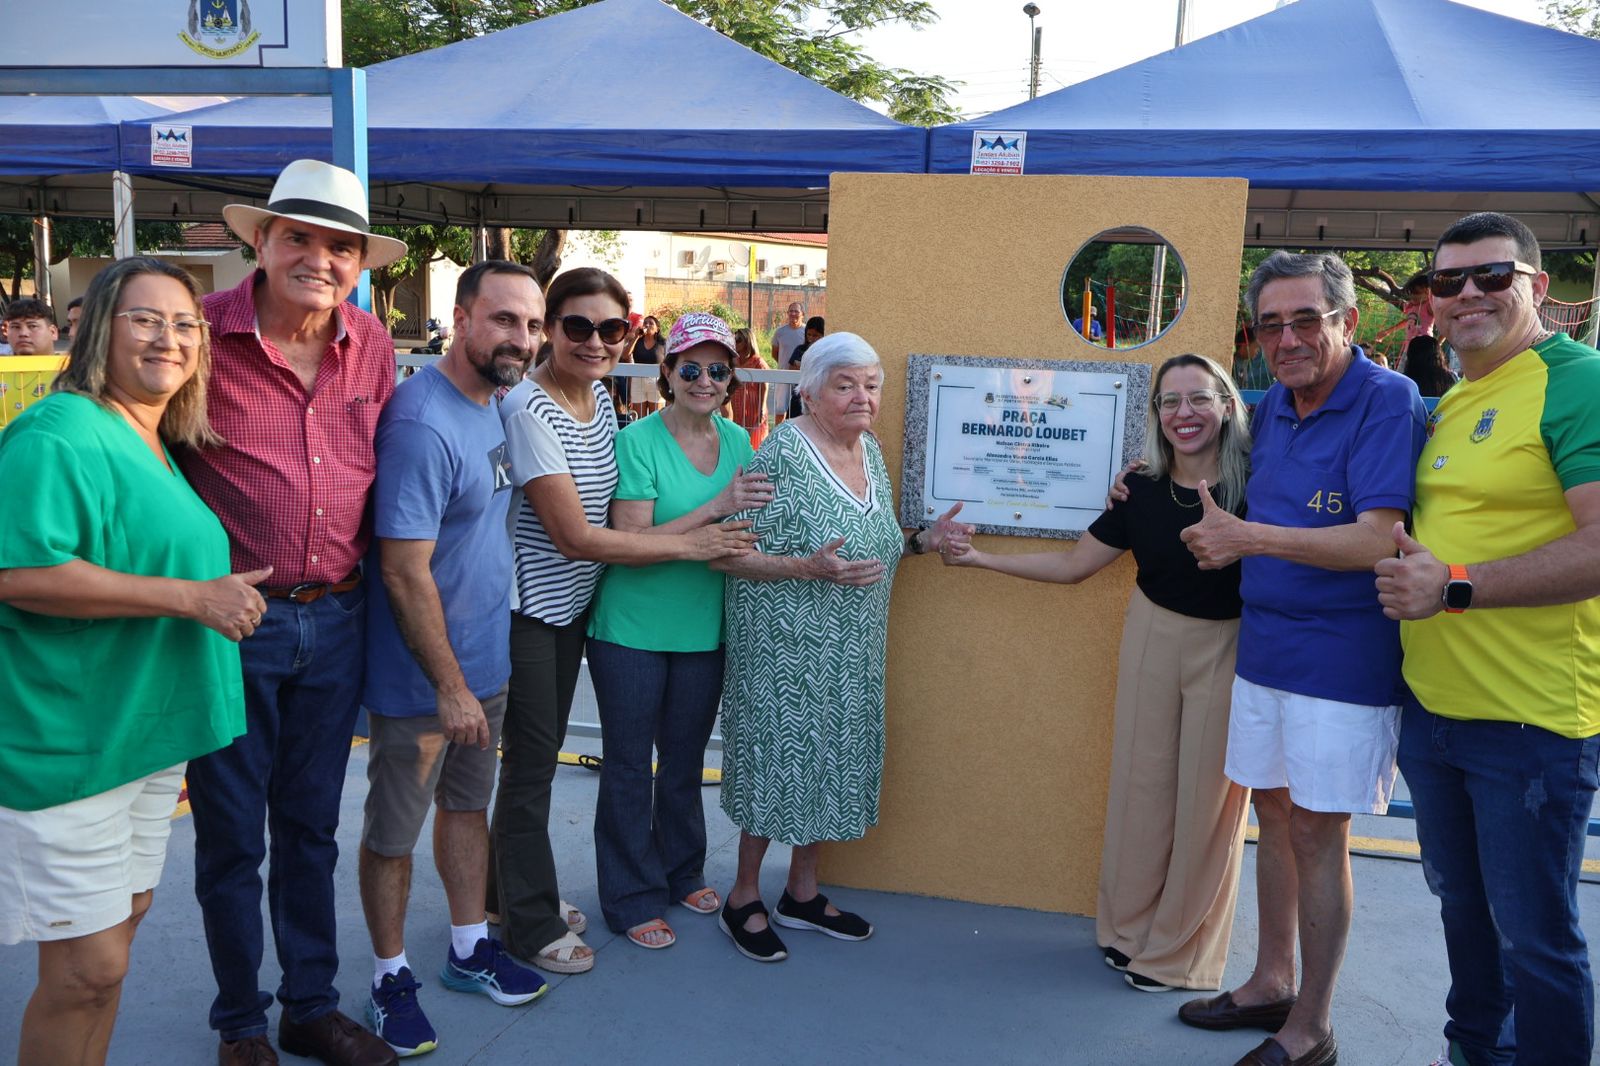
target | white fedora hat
x=322, y=194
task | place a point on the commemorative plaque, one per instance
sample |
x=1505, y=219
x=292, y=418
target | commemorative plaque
x=1029, y=447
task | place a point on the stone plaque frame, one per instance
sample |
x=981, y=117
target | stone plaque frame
x=915, y=507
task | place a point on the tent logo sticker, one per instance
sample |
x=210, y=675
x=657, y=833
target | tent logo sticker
x=171, y=146
x=219, y=29
x=998, y=151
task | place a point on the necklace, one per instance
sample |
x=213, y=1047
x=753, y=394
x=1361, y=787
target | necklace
x=1172, y=488
x=566, y=401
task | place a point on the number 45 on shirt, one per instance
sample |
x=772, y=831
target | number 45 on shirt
x=1333, y=501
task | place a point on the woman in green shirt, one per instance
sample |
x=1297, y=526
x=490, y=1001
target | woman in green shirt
x=655, y=639
x=116, y=615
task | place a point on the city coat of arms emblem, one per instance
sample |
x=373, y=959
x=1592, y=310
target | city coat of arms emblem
x=219, y=29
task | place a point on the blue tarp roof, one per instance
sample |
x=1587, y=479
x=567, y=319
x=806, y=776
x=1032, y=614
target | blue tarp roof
x=622, y=92
x=67, y=134
x=1331, y=94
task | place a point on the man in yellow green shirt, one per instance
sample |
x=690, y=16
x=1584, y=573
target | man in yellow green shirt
x=1501, y=634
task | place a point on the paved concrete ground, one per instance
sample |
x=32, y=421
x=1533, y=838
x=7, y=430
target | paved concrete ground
x=940, y=982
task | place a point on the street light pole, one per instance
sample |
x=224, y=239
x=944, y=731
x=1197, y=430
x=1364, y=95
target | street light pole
x=1032, y=11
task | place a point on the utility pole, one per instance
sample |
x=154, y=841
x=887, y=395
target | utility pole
x=1034, y=33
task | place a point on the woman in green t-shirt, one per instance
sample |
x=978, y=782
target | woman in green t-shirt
x=655, y=639
x=116, y=614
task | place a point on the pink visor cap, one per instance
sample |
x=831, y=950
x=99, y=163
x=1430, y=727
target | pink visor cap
x=698, y=327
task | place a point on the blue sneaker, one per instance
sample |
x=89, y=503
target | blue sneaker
x=494, y=973
x=397, y=1017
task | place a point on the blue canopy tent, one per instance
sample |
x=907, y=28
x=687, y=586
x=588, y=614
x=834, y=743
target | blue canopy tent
x=67, y=134
x=1357, y=122
x=47, y=135
x=519, y=127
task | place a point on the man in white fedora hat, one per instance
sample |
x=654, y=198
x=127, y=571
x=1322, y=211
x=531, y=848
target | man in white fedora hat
x=298, y=377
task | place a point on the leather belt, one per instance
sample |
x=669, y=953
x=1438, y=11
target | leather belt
x=311, y=591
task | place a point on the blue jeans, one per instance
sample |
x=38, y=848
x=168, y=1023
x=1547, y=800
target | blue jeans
x=303, y=672
x=650, y=835
x=1502, y=811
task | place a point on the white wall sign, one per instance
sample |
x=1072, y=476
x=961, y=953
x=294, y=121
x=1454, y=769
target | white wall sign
x=171, y=146
x=173, y=33
x=998, y=151
x=1028, y=447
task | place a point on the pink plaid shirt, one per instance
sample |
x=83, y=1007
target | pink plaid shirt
x=290, y=481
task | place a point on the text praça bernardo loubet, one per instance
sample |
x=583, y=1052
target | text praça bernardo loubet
x=1033, y=425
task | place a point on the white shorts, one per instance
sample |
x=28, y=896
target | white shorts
x=1331, y=756
x=73, y=869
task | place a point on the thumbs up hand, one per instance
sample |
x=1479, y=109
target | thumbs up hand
x=1220, y=538
x=1411, y=585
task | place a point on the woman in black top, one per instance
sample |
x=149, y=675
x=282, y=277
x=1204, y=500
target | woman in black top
x=649, y=347
x=1169, y=870
x=816, y=329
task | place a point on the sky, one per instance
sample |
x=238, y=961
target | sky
x=985, y=43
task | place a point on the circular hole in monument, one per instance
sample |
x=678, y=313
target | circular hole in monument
x=1124, y=288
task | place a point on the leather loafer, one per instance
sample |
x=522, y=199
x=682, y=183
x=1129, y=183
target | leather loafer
x=1221, y=1012
x=251, y=1051
x=1271, y=1053
x=336, y=1040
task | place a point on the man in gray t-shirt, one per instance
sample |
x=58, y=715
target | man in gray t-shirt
x=785, y=339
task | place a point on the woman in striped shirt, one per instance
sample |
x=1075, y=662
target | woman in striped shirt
x=560, y=427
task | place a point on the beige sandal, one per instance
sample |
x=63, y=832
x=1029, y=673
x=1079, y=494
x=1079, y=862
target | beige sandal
x=576, y=922
x=561, y=956
x=702, y=901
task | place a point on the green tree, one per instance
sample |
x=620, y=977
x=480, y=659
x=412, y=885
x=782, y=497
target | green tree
x=1574, y=16
x=71, y=237
x=1582, y=17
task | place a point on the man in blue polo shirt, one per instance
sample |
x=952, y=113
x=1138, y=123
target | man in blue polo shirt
x=1315, y=716
x=438, y=647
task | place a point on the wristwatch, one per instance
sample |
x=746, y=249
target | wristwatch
x=915, y=543
x=1457, y=590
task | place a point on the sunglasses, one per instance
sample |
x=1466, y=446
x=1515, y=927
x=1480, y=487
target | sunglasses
x=579, y=329
x=1488, y=277
x=690, y=372
x=1307, y=328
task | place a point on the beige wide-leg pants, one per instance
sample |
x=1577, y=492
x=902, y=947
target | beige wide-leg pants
x=1169, y=872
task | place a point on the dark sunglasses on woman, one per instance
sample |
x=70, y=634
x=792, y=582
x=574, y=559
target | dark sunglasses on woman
x=579, y=329
x=1488, y=277
x=719, y=372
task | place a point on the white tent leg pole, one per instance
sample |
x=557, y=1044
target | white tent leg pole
x=1592, y=331
x=41, y=258
x=122, y=208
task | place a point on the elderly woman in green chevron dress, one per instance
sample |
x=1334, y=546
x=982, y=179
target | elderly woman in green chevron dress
x=807, y=622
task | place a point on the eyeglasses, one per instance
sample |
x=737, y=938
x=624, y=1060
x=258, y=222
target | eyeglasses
x=147, y=327
x=1199, y=400
x=1488, y=277
x=579, y=329
x=1307, y=327
x=689, y=372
